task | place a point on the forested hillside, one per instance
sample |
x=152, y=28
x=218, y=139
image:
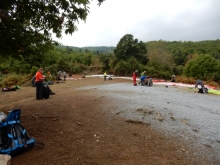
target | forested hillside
x=89, y=48
x=159, y=59
x=177, y=57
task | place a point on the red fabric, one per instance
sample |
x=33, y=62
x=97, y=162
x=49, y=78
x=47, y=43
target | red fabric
x=134, y=78
x=39, y=76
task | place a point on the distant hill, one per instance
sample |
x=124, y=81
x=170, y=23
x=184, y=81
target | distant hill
x=90, y=48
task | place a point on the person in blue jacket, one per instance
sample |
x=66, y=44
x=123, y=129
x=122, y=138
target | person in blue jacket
x=142, y=78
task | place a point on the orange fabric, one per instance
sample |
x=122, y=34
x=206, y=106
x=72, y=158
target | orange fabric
x=39, y=76
x=134, y=78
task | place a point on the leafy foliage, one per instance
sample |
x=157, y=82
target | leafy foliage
x=94, y=49
x=127, y=68
x=129, y=47
x=13, y=79
x=28, y=24
x=202, y=67
x=161, y=57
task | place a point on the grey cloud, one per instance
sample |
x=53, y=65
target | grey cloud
x=194, y=25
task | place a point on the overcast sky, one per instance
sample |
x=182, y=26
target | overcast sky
x=147, y=20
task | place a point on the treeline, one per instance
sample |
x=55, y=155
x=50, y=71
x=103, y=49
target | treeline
x=159, y=59
x=190, y=59
x=95, y=49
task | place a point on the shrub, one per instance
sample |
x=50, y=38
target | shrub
x=14, y=79
x=34, y=69
x=178, y=70
x=164, y=74
x=202, y=67
x=11, y=80
x=186, y=80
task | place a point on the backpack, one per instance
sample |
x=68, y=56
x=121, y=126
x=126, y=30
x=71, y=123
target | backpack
x=201, y=90
x=46, y=91
x=33, y=81
x=7, y=89
x=13, y=136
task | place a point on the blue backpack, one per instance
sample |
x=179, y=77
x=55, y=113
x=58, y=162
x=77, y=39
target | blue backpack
x=13, y=137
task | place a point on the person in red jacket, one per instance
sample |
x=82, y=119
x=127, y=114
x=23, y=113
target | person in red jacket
x=135, y=77
x=39, y=84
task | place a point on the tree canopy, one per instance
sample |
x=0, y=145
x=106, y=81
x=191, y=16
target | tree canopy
x=27, y=24
x=202, y=67
x=129, y=47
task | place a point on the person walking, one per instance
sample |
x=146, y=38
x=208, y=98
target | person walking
x=39, y=84
x=135, y=77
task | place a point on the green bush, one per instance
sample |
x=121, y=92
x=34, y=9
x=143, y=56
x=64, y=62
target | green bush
x=14, y=79
x=4, y=68
x=178, y=70
x=164, y=74
x=34, y=69
x=53, y=69
x=202, y=67
x=122, y=68
x=11, y=80
x=151, y=71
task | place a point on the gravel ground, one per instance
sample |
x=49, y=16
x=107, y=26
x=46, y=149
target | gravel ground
x=176, y=111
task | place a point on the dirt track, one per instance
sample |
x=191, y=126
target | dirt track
x=82, y=126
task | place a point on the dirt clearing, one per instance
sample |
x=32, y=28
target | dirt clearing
x=78, y=130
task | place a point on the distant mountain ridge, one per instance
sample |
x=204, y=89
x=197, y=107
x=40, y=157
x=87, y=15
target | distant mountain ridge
x=89, y=48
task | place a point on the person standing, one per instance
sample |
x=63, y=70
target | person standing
x=135, y=77
x=64, y=75
x=39, y=84
x=105, y=76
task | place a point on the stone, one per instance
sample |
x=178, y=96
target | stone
x=5, y=159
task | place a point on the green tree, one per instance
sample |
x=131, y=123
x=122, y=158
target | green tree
x=201, y=67
x=126, y=68
x=105, y=59
x=129, y=47
x=62, y=65
x=26, y=24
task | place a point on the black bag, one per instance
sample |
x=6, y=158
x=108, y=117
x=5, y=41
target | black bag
x=201, y=90
x=46, y=92
x=13, y=137
x=7, y=89
x=33, y=81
